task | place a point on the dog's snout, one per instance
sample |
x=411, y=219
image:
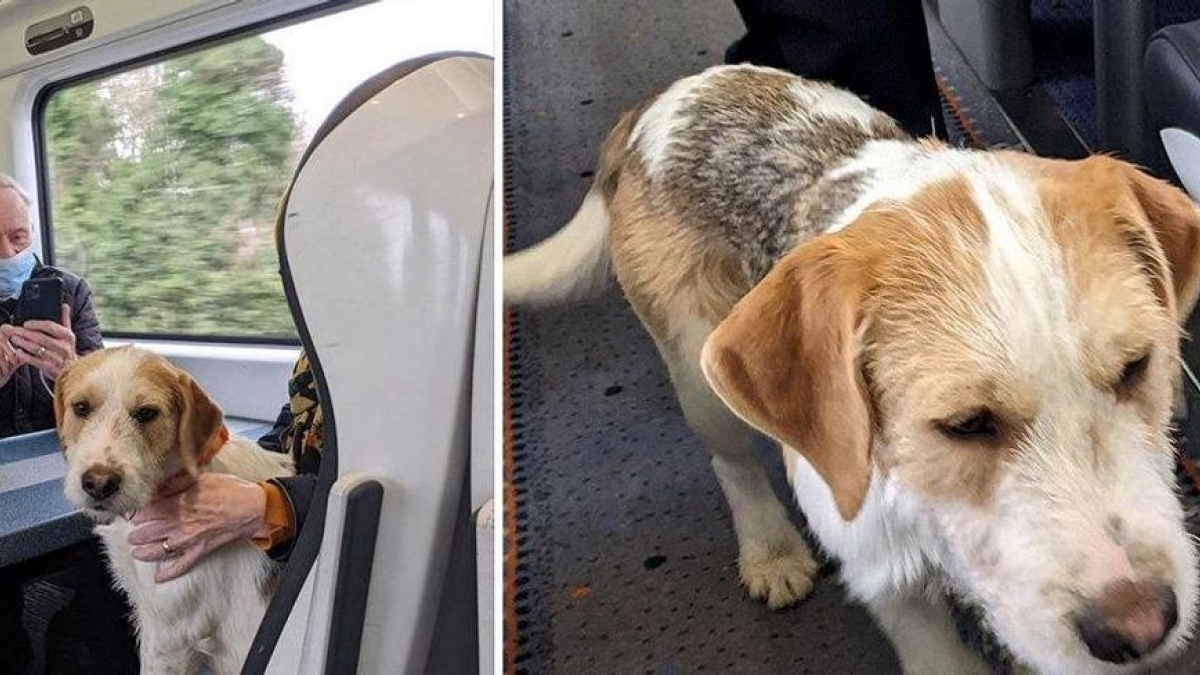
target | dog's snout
x=1128, y=621
x=100, y=482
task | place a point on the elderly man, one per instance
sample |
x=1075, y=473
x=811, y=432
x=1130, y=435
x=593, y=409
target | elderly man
x=32, y=355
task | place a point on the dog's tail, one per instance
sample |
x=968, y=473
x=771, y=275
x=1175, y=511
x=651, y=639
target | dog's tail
x=574, y=263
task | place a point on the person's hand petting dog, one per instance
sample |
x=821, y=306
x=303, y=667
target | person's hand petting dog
x=192, y=517
x=46, y=345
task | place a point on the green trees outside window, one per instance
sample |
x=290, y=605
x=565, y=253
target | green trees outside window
x=164, y=188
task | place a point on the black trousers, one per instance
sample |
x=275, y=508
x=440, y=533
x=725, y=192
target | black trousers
x=80, y=623
x=877, y=49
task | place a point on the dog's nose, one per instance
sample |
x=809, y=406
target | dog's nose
x=99, y=482
x=1128, y=621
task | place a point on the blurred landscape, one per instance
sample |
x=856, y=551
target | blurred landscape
x=164, y=186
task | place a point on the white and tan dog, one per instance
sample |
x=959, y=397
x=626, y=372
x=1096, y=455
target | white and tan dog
x=968, y=358
x=129, y=421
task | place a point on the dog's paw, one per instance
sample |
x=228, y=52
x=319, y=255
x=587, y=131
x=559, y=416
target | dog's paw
x=780, y=577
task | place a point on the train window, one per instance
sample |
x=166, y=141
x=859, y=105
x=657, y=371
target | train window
x=164, y=179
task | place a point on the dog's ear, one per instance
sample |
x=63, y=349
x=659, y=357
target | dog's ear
x=62, y=388
x=201, y=425
x=1175, y=223
x=786, y=360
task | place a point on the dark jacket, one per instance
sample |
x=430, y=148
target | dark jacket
x=25, y=404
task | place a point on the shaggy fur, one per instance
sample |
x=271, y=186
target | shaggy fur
x=211, y=614
x=967, y=359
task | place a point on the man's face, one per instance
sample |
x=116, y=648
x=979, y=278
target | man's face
x=15, y=233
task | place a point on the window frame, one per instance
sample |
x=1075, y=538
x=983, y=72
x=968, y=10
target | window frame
x=42, y=164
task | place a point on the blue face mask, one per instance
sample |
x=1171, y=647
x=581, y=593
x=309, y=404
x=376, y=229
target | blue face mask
x=15, y=271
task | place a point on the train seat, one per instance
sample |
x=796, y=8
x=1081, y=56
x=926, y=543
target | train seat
x=384, y=239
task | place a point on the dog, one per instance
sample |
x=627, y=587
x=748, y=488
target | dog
x=969, y=360
x=129, y=421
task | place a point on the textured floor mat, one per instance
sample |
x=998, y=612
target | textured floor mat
x=624, y=558
x=973, y=116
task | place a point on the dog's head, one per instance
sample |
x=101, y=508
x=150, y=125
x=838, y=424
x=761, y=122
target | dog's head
x=994, y=359
x=129, y=420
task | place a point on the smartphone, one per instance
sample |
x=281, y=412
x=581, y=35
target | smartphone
x=40, y=299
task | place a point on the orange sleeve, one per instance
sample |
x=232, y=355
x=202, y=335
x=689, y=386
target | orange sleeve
x=278, y=518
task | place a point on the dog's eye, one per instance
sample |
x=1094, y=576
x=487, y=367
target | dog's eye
x=1133, y=372
x=81, y=408
x=979, y=426
x=145, y=414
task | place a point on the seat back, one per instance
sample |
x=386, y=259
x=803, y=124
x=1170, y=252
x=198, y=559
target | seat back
x=381, y=243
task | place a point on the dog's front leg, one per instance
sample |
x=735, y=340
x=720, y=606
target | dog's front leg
x=924, y=637
x=775, y=562
x=161, y=655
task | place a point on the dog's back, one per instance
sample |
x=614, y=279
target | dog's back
x=728, y=169
x=247, y=460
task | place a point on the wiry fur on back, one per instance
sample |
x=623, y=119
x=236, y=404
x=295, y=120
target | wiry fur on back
x=741, y=153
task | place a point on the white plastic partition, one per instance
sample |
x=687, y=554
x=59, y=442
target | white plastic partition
x=384, y=234
x=483, y=456
x=1183, y=149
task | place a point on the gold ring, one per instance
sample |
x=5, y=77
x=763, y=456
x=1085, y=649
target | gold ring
x=41, y=352
x=167, y=548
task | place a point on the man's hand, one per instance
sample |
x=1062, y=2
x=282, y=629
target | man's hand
x=10, y=358
x=45, y=345
x=194, y=518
